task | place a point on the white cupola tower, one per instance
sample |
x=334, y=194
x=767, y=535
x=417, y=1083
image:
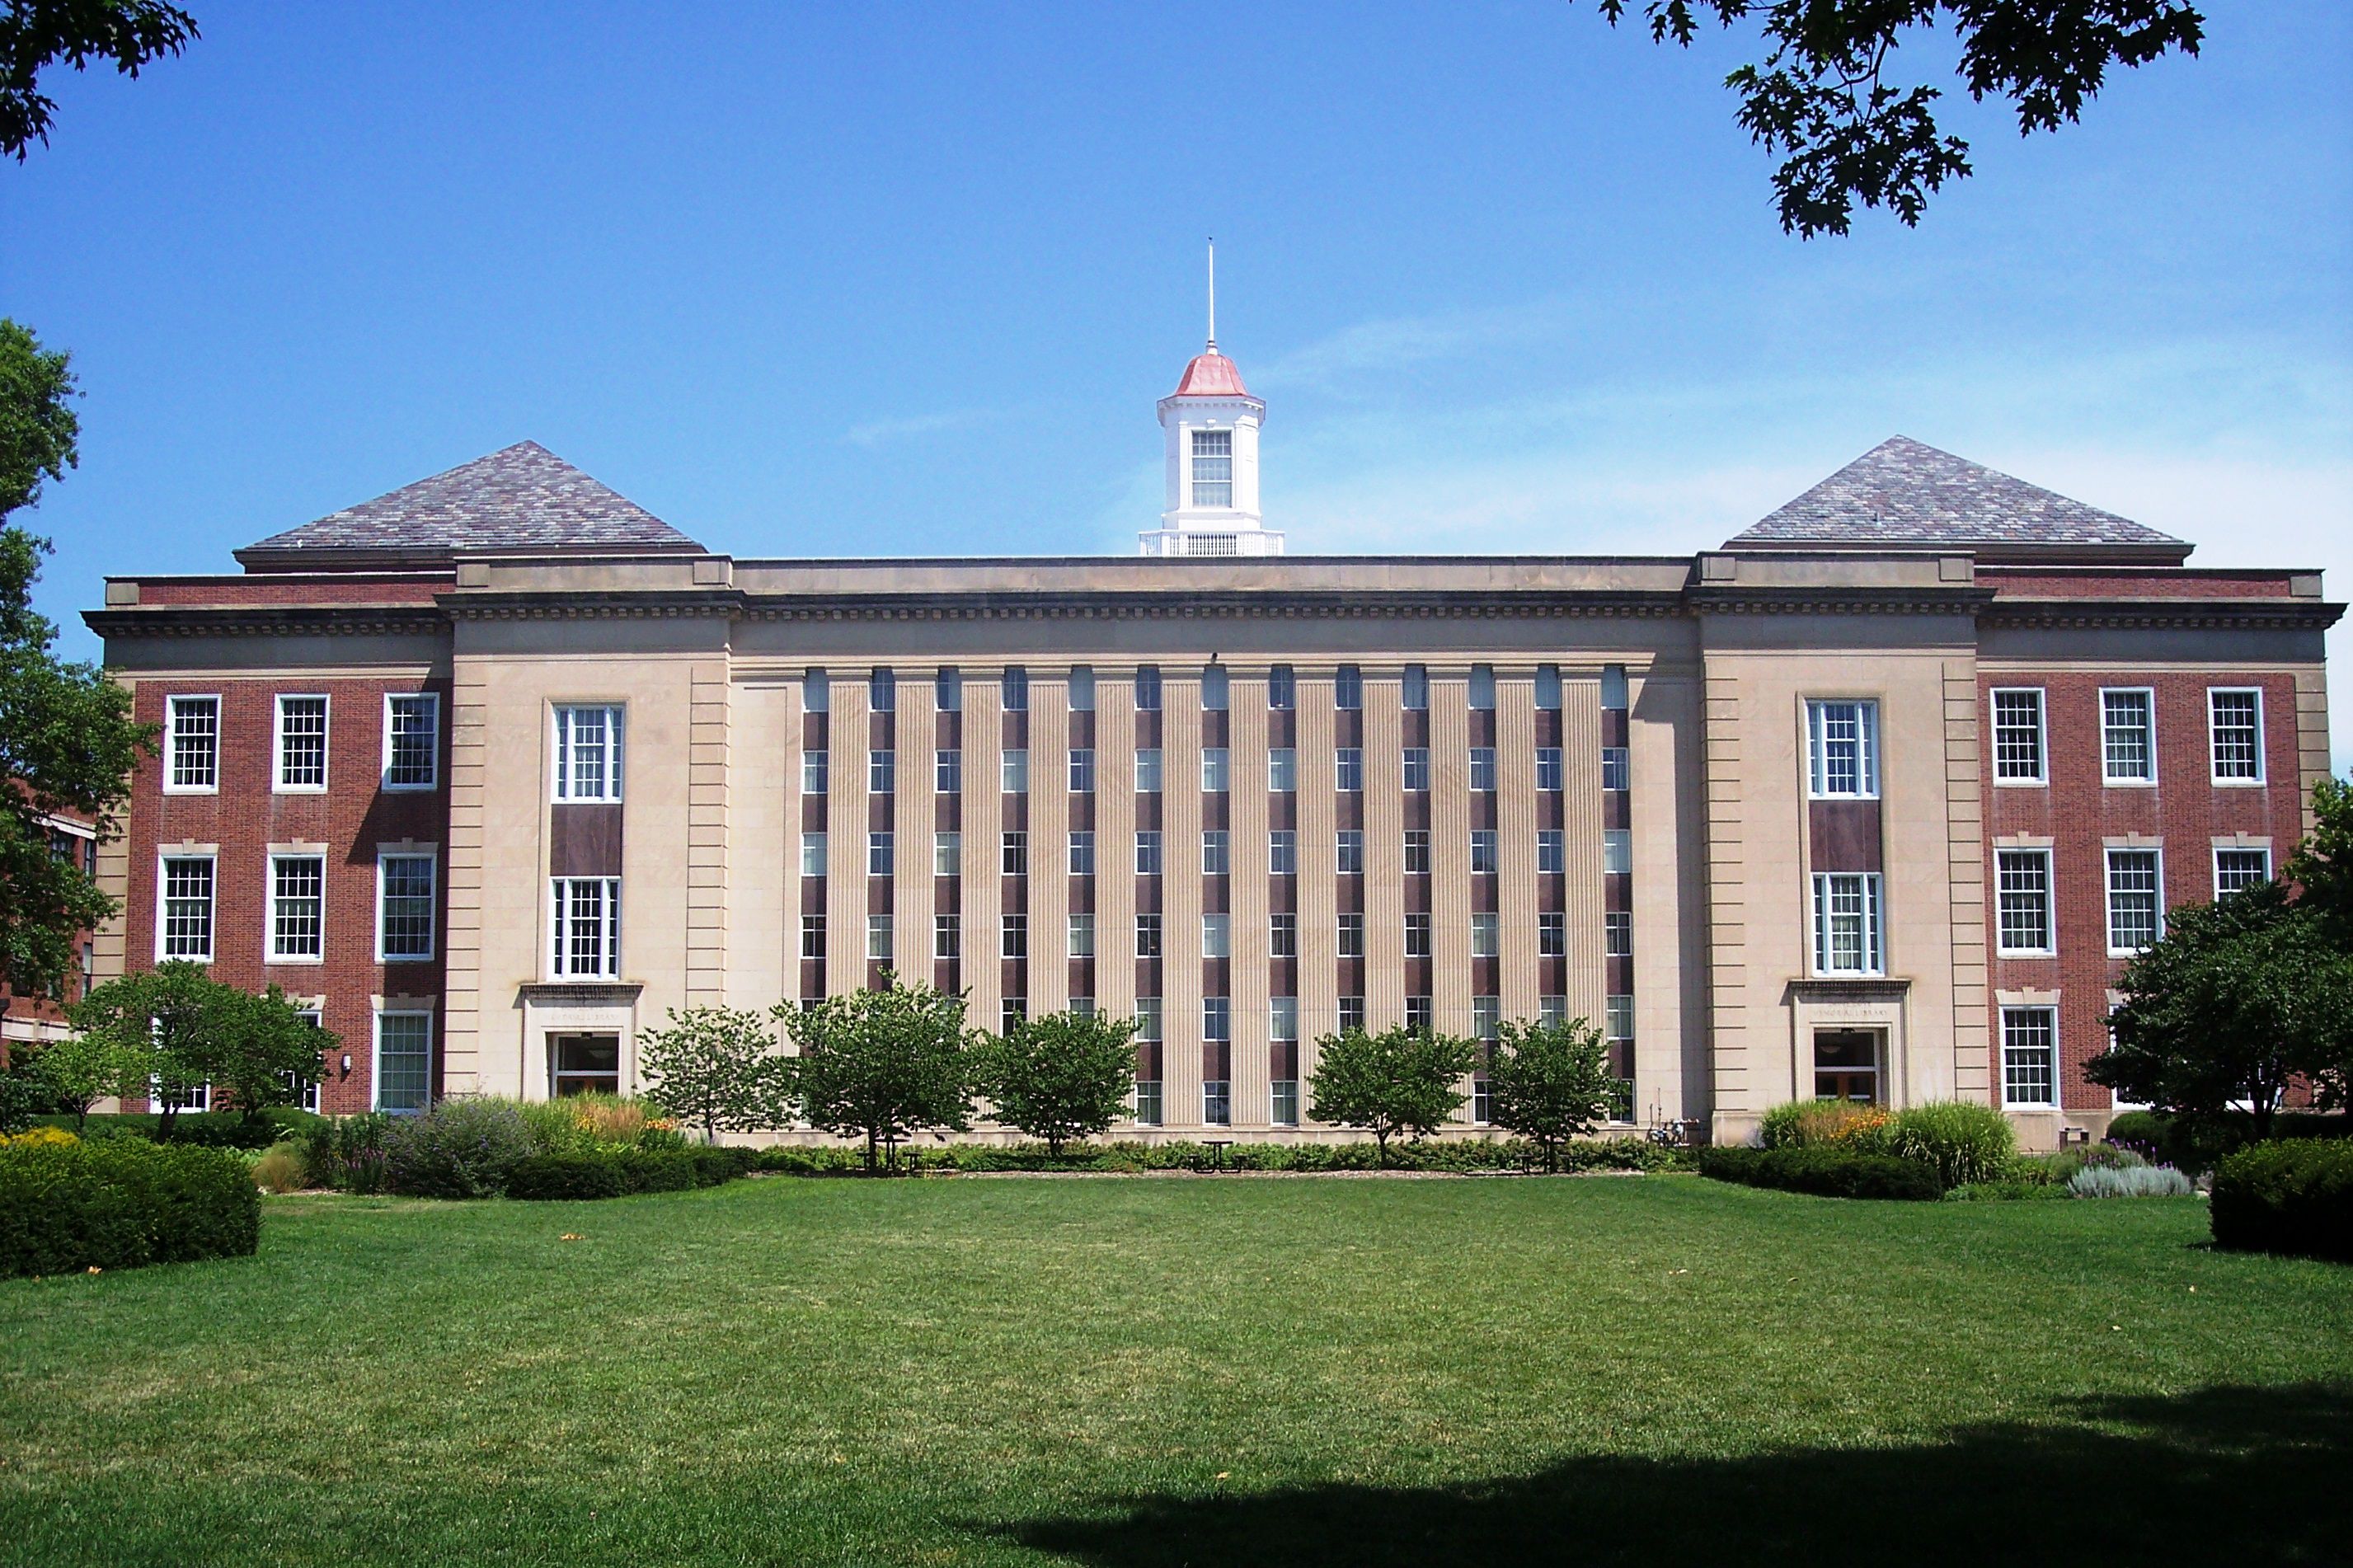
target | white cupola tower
x=1210, y=432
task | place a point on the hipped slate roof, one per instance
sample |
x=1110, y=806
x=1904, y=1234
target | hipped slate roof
x=1904, y=494
x=523, y=497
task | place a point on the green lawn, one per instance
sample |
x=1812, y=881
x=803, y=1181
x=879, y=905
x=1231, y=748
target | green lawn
x=1187, y=1371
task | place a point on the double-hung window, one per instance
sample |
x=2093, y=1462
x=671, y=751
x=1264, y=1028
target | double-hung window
x=2136, y=901
x=412, y=740
x=1483, y=769
x=947, y=938
x=1013, y=934
x=1217, y=770
x=1616, y=850
x=404, y=906
x=1283, y=936
x=881, y=854
x=1616, y=768
x=1348, y=852
x=186, y=929
x=1281, y=689
x=814, y=774
x=587, y=922
x=1147, y=689
x=2128, y=736
x=2235, y=870
x=1213, y=469
x=1843, y=749
x=1486, y=860
x=302, y=746
x=1417, y=769
x=1013, y=855
x=2023, y=899
x=2234, y=728
x=1217, y=852
x=882, y=690
x=298, y=908
x=1348, y=936
x=1283, y=852
x=1013, y=689
x=1617, y=933
x=1348, y=769
x=1348, y=689
x=1148, y=770
x=192, y=764
x=2020, y=737
x=1847, y=923
x=1217, y=936
x=404, y=1062
x=812, y=936
x=1082, y=936
x=1486, y=936
x=1548, y=768
x=2030, y=1057
x=947, y=772
x=1416, y=851
x=1282, y=770
x=947, y=690
x=1552, y=852
x=1147, y=853
x=1417, y=936
x=1015, y=769
x=947, y=853
x=879, y=946
x=588, y=753
x=1082, y=770
x=1082, y=853
x=881, y=772
x=1552, y=934
x=1147, y=936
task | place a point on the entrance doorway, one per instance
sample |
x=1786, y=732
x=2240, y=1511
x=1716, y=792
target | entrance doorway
x=1847, y=1065
x=583, y=1064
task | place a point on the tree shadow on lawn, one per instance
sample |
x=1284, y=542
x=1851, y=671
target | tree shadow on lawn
x=2232, y=1475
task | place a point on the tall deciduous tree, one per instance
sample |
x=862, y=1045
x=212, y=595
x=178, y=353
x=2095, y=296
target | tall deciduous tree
x=173, y=1029
x=66, y=740
x=1551, y=1082
x=2322, y=865
x=717, y=1068
x=1823, y=98
x=883, y=1065
x=38, y=33
x=1399, y=1080
x=1062, y=1076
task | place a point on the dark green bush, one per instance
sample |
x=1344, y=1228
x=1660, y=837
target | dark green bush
x=718, y=1162
x=2294, y=1196
x=120, y=1202
x=1826, y=1173
x=197, y=1129
x=458, y=1148
x=1459, y=1155
x=565, y=1177
x=655, y=1170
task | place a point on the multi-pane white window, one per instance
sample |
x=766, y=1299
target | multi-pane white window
x=1348, y=852
x=1082, y=936
x=1013, y=855
x=1011, y=1014
x=1148, y=1098
x=588, y=753
x=1348, y=936
x=814, y=773
x=1420, y=1014
x=1485, y=859
x=1147, y=689
x=193, y=759
x=1216, y=690
x=300, y=744
x=1548, y=768
x=1617, y=934
x=881, y=854
x=1282, y=770
x=2235, y=870
x=404, y=1062
x=412, y=741
x=1352, y=1014
x=2019, y=736
x=1283, y=1102
x=1082, y=853
x=1348, y=689
x=1348, y=769
x=1148, y=770
x=1016, y=771
x=1552, y=1011
x=1013, y=936
x=186, y=929
x=882, y=690
x=1147, y=853
x=1013, y=689
x=2128, y=736
x=948, y=937
x=1552, y=934
x=881, y=772
x=1147, y=936
x=588, y=925
x=878, y=938
x=1616, y=769
x=298, y=908
x=1417, y=768
x=1486, y=1020
x=947, y=853
x=1416, y=851
x=1217, y=770
x=1483, y=768
x=1217, y=852
x=1616, y=850
x=1281, y=689
x=1283, y=852
x=1846, y=923
x=1283, y=936
x=1413, y=693
x=404, y=906
x=2136, y=901
x=1843, y=749
x=947, y=772
x=1213, y=469
x=1617, y=1018
x=812, y=936
x=947, y=690
x=1082, y=1006
x=1283, y=1018
x=2023, y=899
x=1217, y=1019
x=1486, y=936
x=1417, y=936
x=1217, y=1099
x=1552, y=851
x=1217, y=936
x=1082, y=770
x=2030, y=1056
x=2234, y=728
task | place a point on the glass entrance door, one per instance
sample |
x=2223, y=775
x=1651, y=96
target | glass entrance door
x=583, y=1064
x=1846, y=1065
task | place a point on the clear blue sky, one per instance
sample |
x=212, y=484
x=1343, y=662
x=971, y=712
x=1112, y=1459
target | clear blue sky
x=906, y=279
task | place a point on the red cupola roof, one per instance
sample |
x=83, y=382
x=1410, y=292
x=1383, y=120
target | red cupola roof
x=1211, y=374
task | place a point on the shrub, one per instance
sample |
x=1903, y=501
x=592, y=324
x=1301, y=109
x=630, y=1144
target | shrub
x=282, y=1169
x=654, y=1170
x=1815, y=1123
x=347, y=1153
x=458, y=1148
x=119, y=1203
x=39, y=1138
x=2295, y=1196
x=564, y=1176
x=1961, y=1141
x=1826, y=1173
x=2130, y=1182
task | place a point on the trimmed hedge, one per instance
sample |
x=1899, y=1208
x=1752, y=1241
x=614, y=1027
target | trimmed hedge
x=1825, y=1172
x=2195, y=1143
x=565, y=1177
x=1460, y=1156
x=2295, y=1196
x=201, y=1129
x=120, y=1202
x=612, y=1174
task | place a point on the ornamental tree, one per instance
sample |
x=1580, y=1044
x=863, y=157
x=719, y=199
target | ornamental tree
x=1551, y=1082
x=172, y=1029
x=717, y=1068
x=1399, y=1080
x=1063, y=1076
x=883, y=1065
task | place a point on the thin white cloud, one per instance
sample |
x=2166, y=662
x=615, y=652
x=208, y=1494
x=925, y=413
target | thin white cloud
x=883, y=432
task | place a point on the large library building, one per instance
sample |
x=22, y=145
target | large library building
x=1874, y=801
